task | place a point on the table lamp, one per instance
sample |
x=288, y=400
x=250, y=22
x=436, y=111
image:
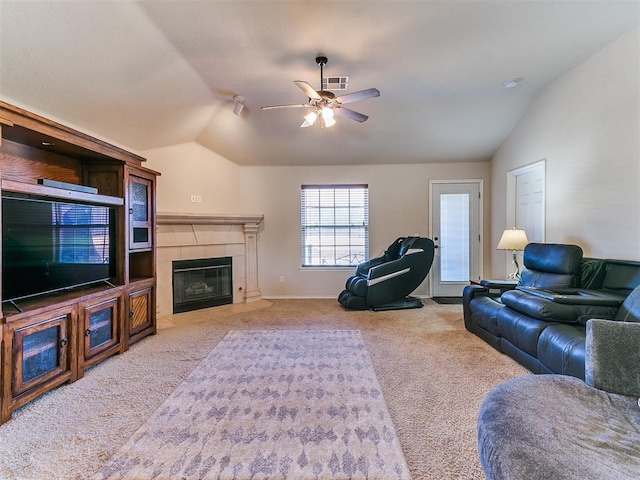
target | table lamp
x=514, y=240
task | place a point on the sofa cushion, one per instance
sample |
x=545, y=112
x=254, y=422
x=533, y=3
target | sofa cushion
x=553, y=258
x=485, y=312
x=613, y=356
x=544, y=309
x=561, y=349
x=521, y=330
x=551, y=265
x=592, y=273
x=630, y=309
x=621, y=276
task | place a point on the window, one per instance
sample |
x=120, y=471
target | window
x=335, y=225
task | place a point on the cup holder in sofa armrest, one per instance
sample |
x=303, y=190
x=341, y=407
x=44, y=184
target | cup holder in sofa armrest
x=575, y=296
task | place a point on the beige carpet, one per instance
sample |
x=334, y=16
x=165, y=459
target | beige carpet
x=433, y=375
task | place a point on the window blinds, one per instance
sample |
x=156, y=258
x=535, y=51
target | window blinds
x=335, y=224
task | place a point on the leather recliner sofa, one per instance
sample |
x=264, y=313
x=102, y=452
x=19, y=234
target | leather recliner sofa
x=540, y=322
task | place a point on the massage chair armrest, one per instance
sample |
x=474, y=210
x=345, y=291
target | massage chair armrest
x=390, y=268
x=362, y=270
x=612, y=356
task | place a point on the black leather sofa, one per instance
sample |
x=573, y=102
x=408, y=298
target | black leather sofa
x=540, y=322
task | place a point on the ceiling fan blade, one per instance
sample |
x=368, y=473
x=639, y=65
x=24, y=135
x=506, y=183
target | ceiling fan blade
x=353, y=115
x=361, y=95
x=308, y=89
x=294, y=105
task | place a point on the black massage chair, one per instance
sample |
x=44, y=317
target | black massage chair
x=384, y=282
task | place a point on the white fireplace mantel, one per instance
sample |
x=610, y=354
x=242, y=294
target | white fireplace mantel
x=186, y=236
x=201, y=219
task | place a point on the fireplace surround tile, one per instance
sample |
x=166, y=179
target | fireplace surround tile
x=191, y=236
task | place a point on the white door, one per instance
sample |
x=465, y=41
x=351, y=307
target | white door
x=530, y=204
x=526, y=204
x=455, y=229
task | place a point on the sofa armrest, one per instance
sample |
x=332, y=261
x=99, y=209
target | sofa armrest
x=500, y=285
x=612, y=356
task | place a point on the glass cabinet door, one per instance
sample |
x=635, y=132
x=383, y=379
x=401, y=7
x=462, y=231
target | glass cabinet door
x=101, y=327
x=139, y=213
x=40, y=353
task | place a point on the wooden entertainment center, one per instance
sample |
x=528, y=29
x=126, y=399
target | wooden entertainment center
x=52, y=338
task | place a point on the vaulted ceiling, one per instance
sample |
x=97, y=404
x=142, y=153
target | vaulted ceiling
x=147, y=74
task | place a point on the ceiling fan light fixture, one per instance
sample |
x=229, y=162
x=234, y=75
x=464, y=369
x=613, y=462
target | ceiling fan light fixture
x=324, y=103
x=328, y=122
x=309, y=119
x=327, y=113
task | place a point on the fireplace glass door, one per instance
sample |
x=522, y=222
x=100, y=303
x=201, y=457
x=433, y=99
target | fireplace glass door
x=202, y=283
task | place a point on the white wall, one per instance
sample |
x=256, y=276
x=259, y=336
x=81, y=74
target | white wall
x=190, y=168
x=398, y=205
x=587, y=125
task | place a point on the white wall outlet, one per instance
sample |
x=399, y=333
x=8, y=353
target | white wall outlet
x=281, y=278
x=193, y=198
x=198, y=198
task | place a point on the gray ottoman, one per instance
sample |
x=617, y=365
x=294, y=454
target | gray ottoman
x=558, y=427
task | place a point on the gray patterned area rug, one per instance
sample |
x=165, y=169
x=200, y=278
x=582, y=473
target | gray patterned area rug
x=270, y=404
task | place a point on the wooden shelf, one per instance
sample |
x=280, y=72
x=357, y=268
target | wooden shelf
x=61, y=193
x=34, y=148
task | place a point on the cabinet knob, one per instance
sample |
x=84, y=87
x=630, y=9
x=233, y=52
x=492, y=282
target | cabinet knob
x=63, y=342
x=131, y=211
x=87, y=332
x=130, y=313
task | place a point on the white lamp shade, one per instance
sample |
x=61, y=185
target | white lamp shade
x=513, y=239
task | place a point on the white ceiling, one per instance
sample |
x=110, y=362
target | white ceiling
x=148, y=74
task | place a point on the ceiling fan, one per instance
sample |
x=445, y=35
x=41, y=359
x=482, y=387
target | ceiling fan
x=325, y=104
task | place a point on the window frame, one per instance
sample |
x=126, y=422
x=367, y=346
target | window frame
x=331, y=227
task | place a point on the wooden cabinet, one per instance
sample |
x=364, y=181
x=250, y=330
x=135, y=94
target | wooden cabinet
x=140, y=316
x=39, y=355
x=52, y=338
x=100, y=334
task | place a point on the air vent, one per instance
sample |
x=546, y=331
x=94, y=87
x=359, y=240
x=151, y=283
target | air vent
x=335, y=83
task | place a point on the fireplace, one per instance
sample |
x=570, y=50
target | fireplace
x=202, y=283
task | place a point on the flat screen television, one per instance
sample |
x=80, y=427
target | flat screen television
x=50, y=245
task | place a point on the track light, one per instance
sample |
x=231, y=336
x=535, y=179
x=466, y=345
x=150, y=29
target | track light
x=239, y=106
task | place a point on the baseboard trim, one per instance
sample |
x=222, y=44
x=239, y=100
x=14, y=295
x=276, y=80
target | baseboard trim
x=297, y=297
x=315, y=297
